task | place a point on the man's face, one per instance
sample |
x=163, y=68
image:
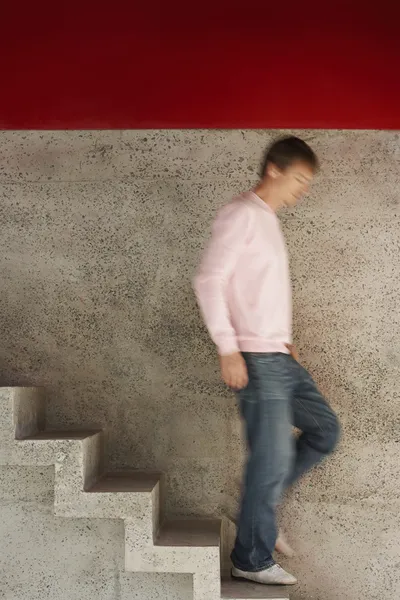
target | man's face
x=293, y=183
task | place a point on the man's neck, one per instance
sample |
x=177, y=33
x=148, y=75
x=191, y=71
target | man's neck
x=263, y=191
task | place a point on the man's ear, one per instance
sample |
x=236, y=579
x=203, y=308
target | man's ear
x=272, y=171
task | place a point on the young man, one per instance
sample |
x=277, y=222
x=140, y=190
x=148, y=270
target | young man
x=243, y=289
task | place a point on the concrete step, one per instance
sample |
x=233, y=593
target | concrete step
x=128, y=494
x=22, y=412
x=232, y=589
x=181, y=546
x=45, y=448
x=126, y=481
x=199, y=533
x=61, y=435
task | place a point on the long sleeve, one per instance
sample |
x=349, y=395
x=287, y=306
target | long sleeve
x=218, y=262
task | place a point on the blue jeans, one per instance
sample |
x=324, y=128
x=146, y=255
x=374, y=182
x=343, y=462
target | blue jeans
x=280, y=393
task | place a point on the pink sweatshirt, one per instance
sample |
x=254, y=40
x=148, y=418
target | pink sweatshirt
x=243, y=285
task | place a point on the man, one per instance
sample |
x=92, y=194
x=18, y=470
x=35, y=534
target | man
x=243, y=289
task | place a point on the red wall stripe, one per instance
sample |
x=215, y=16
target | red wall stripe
x=214, y=64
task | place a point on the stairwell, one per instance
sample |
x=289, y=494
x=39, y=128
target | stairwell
x=84, y=489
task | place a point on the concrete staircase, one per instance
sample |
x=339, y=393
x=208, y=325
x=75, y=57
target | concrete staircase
x=83, y=489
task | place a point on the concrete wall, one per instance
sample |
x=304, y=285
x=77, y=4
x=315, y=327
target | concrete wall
x=100, y=233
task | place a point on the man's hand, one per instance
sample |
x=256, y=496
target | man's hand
x=293, y=352
x=234, y=371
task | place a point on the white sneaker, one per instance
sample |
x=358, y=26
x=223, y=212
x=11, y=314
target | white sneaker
x=274, y=575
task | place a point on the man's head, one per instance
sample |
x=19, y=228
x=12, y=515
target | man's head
x=288, y=168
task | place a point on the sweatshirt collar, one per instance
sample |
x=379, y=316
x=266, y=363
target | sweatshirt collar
x=257, y=200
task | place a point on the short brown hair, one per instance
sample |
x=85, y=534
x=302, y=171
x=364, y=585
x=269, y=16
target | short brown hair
x=286, y=151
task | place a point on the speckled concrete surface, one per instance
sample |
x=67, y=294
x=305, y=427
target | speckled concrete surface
x=190, y=546
x=349, y=551
x=100, y=234
x=44, y=556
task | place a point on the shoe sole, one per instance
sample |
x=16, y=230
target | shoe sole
x=260, y=582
